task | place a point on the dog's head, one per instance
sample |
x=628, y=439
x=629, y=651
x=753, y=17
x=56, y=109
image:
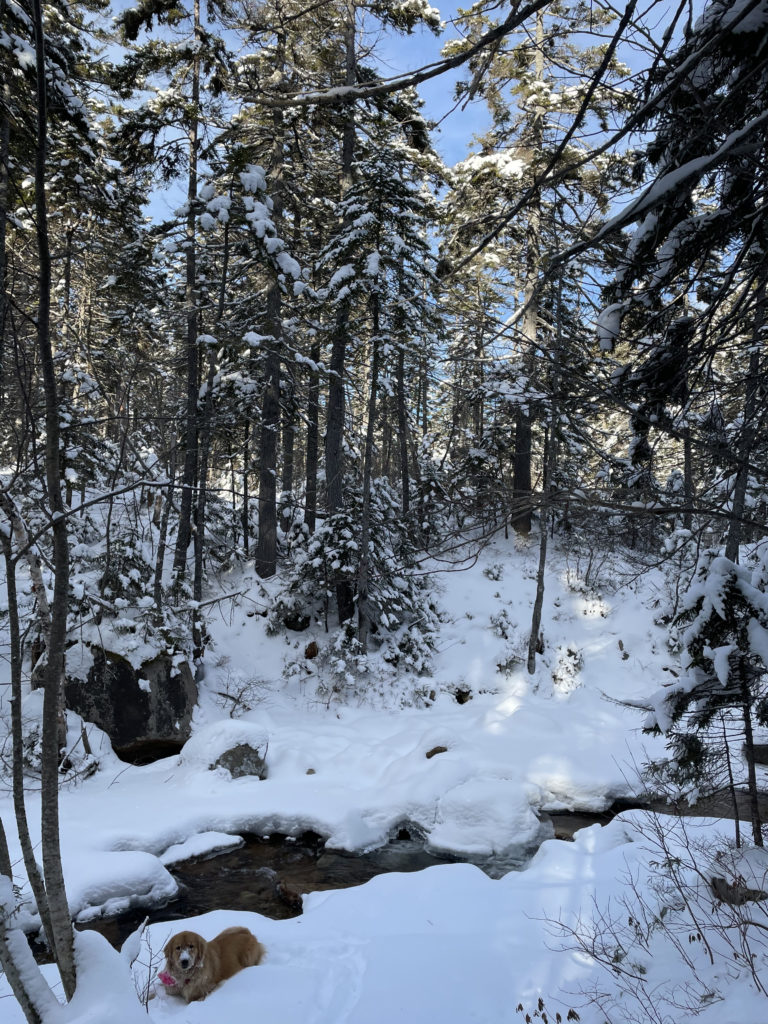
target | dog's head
x=184, y=952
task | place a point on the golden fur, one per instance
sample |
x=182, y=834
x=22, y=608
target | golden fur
x=198, y=966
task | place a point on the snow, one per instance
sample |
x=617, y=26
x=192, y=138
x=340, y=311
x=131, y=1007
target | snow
x=209, y=743
x=449, y=943
x=608, y=326
x=116, y=881
x=502, y=164
x=373, y=264
x=288, y=265
x=342, y=274
x=201, y=845
x=738, y=16
x=254, y=178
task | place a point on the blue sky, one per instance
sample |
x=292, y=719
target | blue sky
x=398, y=53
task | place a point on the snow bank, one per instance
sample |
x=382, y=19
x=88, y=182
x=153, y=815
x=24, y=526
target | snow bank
x=210, y=742
x=445, y=944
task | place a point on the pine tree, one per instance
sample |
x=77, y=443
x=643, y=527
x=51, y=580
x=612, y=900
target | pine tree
x=723, y=630
x=547, y=97
x=697, y=254
x=169, y=132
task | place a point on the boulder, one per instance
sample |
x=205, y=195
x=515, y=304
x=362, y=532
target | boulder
x=243, y=760
x=135, y=706
x=237, y=745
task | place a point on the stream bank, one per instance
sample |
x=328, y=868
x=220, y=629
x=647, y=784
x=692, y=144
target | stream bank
x=270, y=874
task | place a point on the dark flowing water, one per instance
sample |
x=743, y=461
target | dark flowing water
x=270, y=875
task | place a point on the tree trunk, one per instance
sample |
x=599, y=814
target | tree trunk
x=289, y=441
x=731, y=785
x=550, y=465
x=4, y=205
x=402, y=430
x=246, y=511
x=233, y=493
x=266, y=545
x=157, y=592
x=749, y=757
x=363, y=569
x=424, y=395
x=61, y=925
x=688, y=487
x=538, y=603
x=334, y=433
x=521, y=470
x=189, y=473
x=16, y=958
x=34, y=567
x=37, y=885
x=313, y=433
x=749, y=432
x=205, y=447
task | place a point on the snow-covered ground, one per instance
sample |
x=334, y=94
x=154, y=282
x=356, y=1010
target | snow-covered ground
x=448, y=943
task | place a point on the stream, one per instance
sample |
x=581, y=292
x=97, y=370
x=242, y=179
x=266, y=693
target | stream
x=269, y=874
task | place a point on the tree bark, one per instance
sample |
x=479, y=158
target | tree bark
x=749, y=432
x=334, y=432
x=749, y=756
x=61, y=925
x=5, y=129
x=246, y=511
x=289, y=442
x=189, y=473
x=313, y=433
x=34, y=566
x=266, y=545
x=17, y=752
x=14, y=949
x=550, y=464
x=205, y=447
x=363, y=569
x=402, y=438
x=157, y=590
x=538, y=603
x=521, y=469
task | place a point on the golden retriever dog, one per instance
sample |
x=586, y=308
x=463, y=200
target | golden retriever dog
x=194, y=967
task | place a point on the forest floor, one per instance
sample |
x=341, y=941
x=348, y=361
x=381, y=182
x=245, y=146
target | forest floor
x=347, y=758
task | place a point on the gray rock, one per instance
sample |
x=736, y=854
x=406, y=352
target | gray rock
x=243, y=760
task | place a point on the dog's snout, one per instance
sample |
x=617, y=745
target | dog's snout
x=184, y=959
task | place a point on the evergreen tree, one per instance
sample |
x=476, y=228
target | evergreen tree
x=723, y=630
x=547, y=98
x=698, y=250
x=170, y=131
